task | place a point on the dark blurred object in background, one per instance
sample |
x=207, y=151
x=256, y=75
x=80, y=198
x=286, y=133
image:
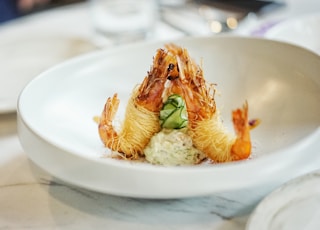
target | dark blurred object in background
x=246, y=6
x=11, y=9
x=8, y=10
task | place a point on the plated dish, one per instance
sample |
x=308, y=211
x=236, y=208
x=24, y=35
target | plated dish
x=57, y=130
x=295, y=205
x=303, y=30
x=172, y=118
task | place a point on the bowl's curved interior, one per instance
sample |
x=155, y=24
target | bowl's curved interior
x=280, y=82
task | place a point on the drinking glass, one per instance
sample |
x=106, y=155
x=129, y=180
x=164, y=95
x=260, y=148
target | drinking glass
x=122, y=21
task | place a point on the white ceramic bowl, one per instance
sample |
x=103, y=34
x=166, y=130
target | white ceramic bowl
x=293, y=206
x=280, y=82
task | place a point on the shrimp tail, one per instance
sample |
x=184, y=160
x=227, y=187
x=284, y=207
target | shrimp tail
x=241, y=149
x=107, y=132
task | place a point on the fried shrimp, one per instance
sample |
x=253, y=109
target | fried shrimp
x=175, y=95
x=204, y=124
x=141, y=119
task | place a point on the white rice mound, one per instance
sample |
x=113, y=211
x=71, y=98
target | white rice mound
x=172, y=147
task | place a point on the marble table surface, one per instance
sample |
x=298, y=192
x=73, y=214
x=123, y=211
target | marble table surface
x=30, y=198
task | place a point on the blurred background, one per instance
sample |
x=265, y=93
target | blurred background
x=11, y=9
